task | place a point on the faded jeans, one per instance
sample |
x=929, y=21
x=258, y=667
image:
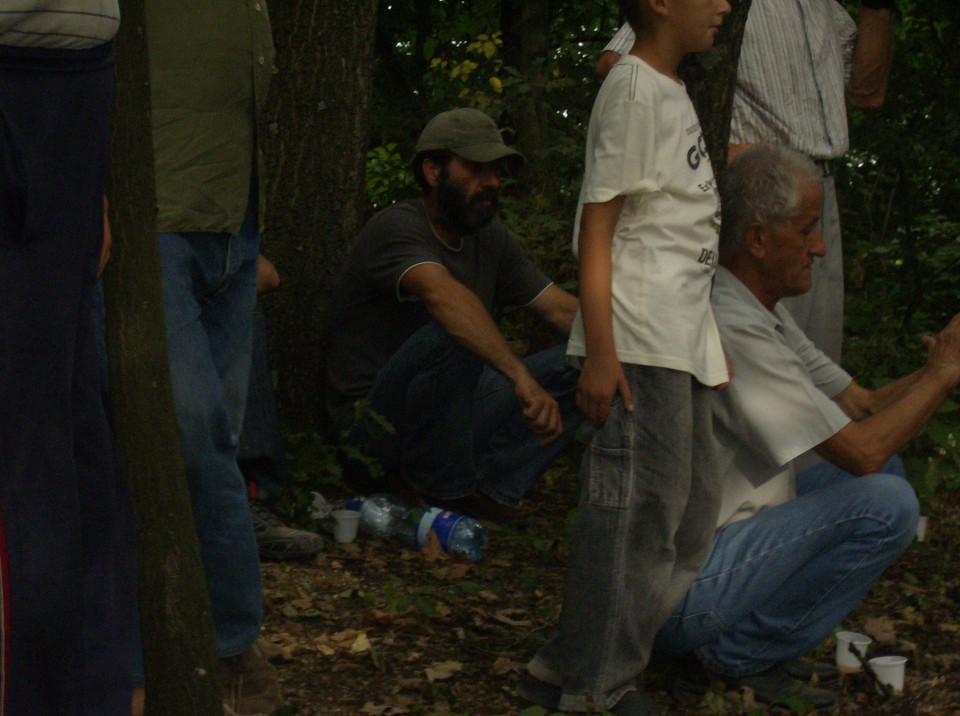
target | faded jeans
x=458, y=425
x=648, y=504
x=209, y=285
x=777, y=584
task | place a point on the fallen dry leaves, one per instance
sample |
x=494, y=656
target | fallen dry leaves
x=375, y=628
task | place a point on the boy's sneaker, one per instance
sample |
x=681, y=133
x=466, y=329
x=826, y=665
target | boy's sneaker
x=279, y=543
x=250, y=684
x=539, y=692
x=547, y=695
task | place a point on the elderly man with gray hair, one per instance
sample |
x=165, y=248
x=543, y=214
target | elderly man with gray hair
x=794, y=553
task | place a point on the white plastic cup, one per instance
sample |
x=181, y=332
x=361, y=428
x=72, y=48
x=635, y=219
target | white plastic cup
x=921, y=528
x=846, y=662
x=889, y=671
x=345, y=524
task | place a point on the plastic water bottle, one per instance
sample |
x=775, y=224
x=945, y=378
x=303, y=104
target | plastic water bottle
x=455, y=532
x=384, y=516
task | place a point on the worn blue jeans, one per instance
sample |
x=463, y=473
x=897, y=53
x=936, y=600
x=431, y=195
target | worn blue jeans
x=209, y=289
x=648, y=505
x=457, y=425
x=777, y=584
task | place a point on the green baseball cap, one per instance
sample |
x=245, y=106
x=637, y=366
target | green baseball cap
x=466, y=132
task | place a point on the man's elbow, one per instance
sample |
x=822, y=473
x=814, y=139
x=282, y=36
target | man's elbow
x=868, y=465
x=852, y=455
x=867, y=101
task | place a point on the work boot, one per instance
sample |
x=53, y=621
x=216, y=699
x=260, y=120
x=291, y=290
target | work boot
x=279, y=543
x=775, y=687
x=250, y=684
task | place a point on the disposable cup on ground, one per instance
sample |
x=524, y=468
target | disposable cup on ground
x=847, y=663
x=345, y=523
x=889, y=671
x=921, y=528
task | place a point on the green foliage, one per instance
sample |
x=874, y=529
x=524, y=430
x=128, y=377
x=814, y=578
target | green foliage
x=899, y=193
x=388, y=176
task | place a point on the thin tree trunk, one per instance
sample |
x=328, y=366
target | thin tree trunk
x=176, y=624
x=711, y=79
x=526, y=45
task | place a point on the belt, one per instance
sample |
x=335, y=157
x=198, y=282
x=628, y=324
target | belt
x=824, y=165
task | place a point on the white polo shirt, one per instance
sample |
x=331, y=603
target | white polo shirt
x=778, y=405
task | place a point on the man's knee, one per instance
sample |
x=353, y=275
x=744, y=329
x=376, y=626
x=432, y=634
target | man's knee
x=895, y=503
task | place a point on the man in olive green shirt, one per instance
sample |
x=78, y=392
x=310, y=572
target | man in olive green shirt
x=210, y=65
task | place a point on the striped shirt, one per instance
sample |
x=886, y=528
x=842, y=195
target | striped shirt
x=794, y=66
x=58, y=24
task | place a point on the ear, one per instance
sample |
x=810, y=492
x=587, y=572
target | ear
x=757, y=239
x=658, y=7
x=431, y=172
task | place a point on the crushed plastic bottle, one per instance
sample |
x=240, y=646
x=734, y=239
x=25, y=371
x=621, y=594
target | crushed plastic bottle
x=384, y=516
x=319, y=507
x=455, y=532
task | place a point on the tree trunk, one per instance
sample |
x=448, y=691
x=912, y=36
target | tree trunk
x=711, y=78
x=176, y=624
x=526, y=45
x=314, y=136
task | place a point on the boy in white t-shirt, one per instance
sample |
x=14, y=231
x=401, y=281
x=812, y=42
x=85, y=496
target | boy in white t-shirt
x=646, y=236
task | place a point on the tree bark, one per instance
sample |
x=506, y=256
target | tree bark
x=526, y=45
x=176, y=623
x=314, y=135
x=711, y=79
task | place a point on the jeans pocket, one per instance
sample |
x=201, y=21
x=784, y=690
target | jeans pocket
x=608, y=484
x=13, y=188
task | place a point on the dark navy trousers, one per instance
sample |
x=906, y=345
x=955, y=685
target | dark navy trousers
x=67, y=539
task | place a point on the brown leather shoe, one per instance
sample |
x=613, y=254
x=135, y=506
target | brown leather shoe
x=250, y=684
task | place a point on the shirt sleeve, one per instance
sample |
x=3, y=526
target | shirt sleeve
x=846, y=30
x=622, y=40
x=394, y=243
x=772, y=405
x=519, y=281
x=829, y=377
x=623, y=151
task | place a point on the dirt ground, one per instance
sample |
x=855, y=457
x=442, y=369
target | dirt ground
x=375, y=628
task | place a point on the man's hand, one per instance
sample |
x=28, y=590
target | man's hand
x=599, y=382
x=943, y=350
x=107, y=238
x=540, y=409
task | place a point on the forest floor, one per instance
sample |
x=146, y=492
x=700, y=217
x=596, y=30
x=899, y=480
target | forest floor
x=375, y=628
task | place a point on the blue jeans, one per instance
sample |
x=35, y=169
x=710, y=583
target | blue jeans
x=67, y=586
x=648, y=505
x=209, y=289
x=262, y=458
x=457, y=424
x=777, y=584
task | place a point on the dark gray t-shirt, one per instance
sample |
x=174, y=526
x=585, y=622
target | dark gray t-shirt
x=370, y=314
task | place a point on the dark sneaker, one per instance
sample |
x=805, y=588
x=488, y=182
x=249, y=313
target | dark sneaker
x=250, y=684
x=804, y=670
x=775, y=687
x=634, y=703
x=539, y=692
x=279, y=543
x=547, y=695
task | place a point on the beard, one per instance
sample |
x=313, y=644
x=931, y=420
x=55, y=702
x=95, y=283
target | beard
x=465, y=214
